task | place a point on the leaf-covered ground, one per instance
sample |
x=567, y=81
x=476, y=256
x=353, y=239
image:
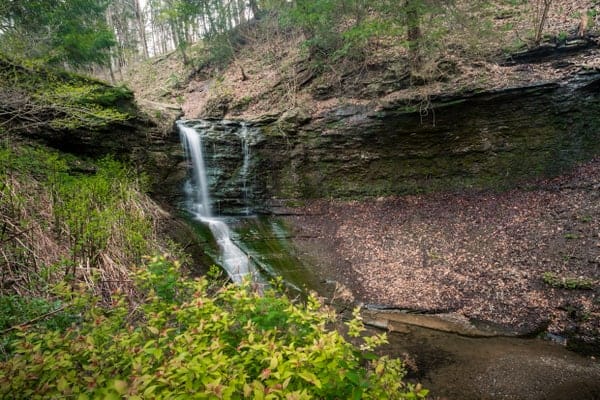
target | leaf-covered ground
x=481, y=254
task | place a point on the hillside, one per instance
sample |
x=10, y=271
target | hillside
x=433, y=163
x=478, y=49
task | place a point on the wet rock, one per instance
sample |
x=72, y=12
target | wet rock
x=292, y=119
x=263, y=119
x=231, y=162
x=488, y=140
x=493, y=139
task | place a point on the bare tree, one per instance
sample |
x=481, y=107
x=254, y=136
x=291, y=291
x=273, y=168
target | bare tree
x=141, y=26
x=540, y=16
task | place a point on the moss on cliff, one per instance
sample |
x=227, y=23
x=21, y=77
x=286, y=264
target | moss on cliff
x=35, y=98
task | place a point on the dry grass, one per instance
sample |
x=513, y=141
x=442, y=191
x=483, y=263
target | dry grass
x=26, y=246
x=37, y=251
x=160, y=79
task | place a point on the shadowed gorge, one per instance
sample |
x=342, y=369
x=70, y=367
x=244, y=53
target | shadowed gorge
x=309, y=199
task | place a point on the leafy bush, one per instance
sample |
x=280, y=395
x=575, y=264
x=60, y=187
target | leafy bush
x=16, y=311
x=184, y=343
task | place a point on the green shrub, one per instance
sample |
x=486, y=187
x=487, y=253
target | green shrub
x=232, y=344
x=16, y=311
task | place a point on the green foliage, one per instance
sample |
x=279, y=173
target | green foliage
x=16, y=311
x=162, y=279
x=99, y=217
x=316, y=19
x=562, y=36
x=232, y=344
x=214, y=272
x=94, y=209
x=219, y=50
x=55, y=31
x=571, y=283
x=216, y=18
x=347, y=29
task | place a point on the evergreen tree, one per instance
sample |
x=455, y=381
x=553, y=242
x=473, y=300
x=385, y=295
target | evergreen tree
x=68, y=32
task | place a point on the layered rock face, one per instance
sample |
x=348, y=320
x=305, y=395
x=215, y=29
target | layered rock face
x=231, y=164
x=483, y=140
x=488, y=140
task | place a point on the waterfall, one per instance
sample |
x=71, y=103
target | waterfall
x=192, y=145
x=233, y=259
x=243, y=134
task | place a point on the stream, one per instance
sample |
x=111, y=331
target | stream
x=455, y=360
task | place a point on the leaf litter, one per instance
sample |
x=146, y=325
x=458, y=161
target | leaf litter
x=479, y=254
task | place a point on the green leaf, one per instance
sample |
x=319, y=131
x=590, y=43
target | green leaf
x=62, y=384
x=353, y=377
x=310, y=377
x=120, y=386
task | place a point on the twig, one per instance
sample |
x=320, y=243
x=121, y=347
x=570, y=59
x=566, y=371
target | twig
x=36, y=319
x=14, y=235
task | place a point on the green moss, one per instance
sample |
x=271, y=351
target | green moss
x=266, y=241
x=571, y=283
x=59, y=100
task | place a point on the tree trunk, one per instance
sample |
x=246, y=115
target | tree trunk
x=413, y=24
x=254, y=8
x=242, y=11
x=179, y=39
x=141, y=24
x=110, y=69
x=541, y=17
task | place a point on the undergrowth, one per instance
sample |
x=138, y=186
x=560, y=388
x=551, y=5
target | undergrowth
x=191, y=339
x=67, y=219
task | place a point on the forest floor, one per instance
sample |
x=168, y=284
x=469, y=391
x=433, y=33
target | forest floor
x=526, y=259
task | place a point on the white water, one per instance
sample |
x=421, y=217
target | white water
x=233, y=259
x=243, y=135
x=192, y=145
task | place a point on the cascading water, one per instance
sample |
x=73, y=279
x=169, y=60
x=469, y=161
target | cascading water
x=192, y=145
x=243, y=135
x=233, y=259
